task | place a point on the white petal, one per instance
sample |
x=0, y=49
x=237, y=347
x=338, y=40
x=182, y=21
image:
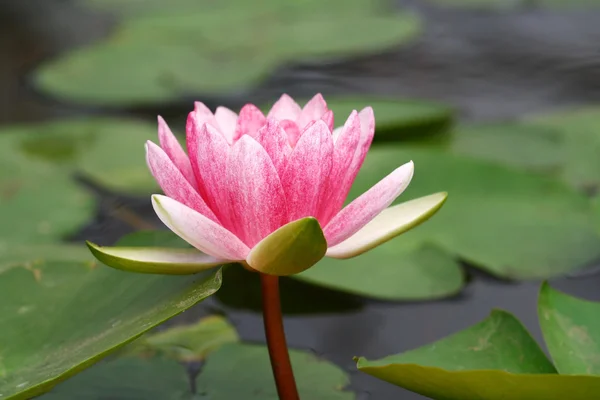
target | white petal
x=390, y=223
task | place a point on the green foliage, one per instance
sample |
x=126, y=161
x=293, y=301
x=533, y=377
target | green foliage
x=59, y=317
x=161, y=51
x=497, y=358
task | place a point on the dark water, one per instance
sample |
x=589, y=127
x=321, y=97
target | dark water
x=489, y=65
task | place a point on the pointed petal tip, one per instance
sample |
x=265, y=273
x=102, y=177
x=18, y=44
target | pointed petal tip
x=152, y=260
x=390, y=223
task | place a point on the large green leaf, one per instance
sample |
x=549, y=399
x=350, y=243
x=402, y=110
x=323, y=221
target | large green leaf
x=580, y=129
x=128, y=378
x=396, y=270
x=108, y=150
x=571, y=329
x=495, y=359
x=514, y=224
x=39, y=203
x=58, y=318
x=249, y=364
x=163, y=51
x=519, y=145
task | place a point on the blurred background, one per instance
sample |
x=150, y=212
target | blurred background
x=495, y=100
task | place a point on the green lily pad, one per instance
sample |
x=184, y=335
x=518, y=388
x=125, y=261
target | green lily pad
x=155, y=55
x=188, y=343
x=128, y=378
x=249, y=364
x=108, y=150
x=513, y=224
x=396, y=270
x=571, y=330
x=38, y=204
x=133, y=378
x=580, y=129
x=41, y=209
x=60, y=317
x=495, y=359
x=518, y=145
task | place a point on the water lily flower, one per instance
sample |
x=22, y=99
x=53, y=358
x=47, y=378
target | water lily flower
x=269, y=191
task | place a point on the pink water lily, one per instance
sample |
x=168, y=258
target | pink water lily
x=268, y=191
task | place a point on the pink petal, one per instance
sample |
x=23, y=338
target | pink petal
x=172, y=181
x=256, y=197
x=307, y=171
x=366, y=207
x=251, y=119
x=274, y=140
x=292, y=130
x=328, y=119
x=313, y=110
x=285, y=108
x=172, y=147
x=211, y=161
x=200, y=116
x=346, y=144
x=227, y=121
x=199, y=231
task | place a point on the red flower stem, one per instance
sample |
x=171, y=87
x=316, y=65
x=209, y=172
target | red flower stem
x=278, y=351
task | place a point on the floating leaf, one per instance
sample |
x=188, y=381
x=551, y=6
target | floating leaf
x=518, y=145
x=108, y=150
x=158, y=54
x=580, y=129
x=189, y=342
x=396, y=270
x=60, y=317
x=41, y=209
x=571, y=330
x=495, y=359
x=513, y=224
x=127, y=378
x=249, y=364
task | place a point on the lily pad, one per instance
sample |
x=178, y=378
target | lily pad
x=128, y=378
x=41, y=209
x=495, y=359
x=108, y=150
x=571, y=330
x=514, y=224
x=188, y=343
x=249, y=364
x=61, y=317
x=155, y=55
x=133, y=378
x=580, y=129
x=514, y=144
x=396, y=270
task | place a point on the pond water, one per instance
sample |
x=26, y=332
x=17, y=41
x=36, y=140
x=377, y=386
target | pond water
x=489, y=65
